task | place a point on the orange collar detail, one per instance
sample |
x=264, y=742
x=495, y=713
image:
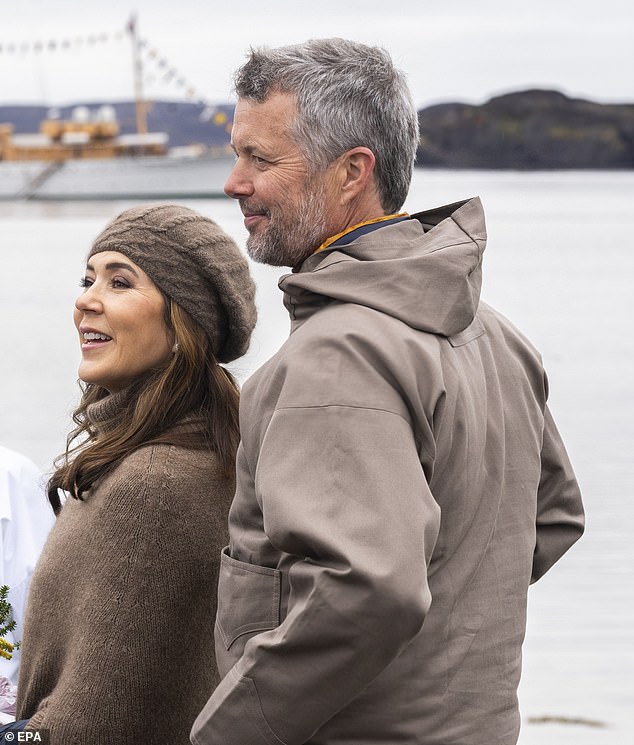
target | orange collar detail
x=333, y=238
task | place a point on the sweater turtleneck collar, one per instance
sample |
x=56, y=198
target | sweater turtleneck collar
x=104, y=414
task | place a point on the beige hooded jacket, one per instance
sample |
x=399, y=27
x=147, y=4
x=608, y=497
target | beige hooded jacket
x=400, y=483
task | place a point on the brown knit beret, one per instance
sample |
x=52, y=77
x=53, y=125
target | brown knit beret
x=194, y=262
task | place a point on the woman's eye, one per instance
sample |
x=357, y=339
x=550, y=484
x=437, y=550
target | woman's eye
x=120, y=284
x=85, y=282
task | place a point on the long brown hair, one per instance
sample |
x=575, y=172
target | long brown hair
x=192, y=383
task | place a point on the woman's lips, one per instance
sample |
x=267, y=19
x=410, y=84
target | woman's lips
x=91, y=339
x=93, y=343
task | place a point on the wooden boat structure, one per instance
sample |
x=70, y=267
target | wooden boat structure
x=86, y=157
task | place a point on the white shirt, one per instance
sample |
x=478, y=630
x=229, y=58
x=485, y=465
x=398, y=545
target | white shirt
x=25, y=520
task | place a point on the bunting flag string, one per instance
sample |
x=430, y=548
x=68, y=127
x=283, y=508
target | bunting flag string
x=163, y=71
x=53, y=45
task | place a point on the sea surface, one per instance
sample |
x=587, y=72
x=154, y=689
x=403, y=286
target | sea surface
x=560, y=264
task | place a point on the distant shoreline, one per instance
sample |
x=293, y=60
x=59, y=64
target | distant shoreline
x=526, y=130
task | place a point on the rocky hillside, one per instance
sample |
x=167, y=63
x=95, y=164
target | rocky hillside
x=534, y=129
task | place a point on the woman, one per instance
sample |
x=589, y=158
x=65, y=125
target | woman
x=118, y=639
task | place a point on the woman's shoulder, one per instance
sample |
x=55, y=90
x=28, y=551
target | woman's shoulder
x=164, y=463
x=162, y=473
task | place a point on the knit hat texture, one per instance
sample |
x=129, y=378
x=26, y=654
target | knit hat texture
x=194, y=262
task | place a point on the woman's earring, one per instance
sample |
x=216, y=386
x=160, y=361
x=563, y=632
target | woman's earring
x=175, y=348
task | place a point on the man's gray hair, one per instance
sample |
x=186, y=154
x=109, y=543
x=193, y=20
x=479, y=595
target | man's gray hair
x=347, y=95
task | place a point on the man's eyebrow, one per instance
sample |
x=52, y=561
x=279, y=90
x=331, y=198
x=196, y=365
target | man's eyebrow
x=248, y=149
x=116, y=265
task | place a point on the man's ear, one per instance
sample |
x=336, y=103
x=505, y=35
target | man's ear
x=356, y=173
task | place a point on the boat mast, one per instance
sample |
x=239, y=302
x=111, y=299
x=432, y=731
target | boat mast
x=140, y=107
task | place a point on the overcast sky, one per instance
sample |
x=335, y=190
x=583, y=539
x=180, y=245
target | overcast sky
x=460, y=50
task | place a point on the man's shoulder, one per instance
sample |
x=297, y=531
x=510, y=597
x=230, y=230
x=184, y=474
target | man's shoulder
x=343, y=354
x=497, y=323
x=348, y=323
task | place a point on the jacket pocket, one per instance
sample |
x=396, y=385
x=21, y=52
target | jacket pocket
x=248, y=600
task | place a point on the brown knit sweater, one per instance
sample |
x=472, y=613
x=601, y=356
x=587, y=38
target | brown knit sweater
x=118, y=639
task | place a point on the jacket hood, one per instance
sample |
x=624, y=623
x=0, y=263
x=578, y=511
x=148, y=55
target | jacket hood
x=425, y=271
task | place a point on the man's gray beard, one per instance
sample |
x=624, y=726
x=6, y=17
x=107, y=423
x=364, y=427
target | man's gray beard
x=285, y=243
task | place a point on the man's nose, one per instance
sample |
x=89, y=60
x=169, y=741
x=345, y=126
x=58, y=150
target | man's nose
x=238, y=184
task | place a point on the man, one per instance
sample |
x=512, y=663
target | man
x=400, y=478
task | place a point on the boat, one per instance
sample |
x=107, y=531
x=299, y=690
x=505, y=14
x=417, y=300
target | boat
x=80, y=163
x=86, y=157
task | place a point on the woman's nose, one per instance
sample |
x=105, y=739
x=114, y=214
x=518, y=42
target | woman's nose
x=89, y=300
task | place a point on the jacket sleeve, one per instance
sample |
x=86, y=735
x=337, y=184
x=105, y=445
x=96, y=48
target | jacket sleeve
x=343, y=492
x=560, y=515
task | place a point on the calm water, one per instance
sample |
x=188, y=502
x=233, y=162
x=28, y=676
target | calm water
x=560, y=263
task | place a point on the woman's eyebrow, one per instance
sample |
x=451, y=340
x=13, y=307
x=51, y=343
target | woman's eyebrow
x=116, y=265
